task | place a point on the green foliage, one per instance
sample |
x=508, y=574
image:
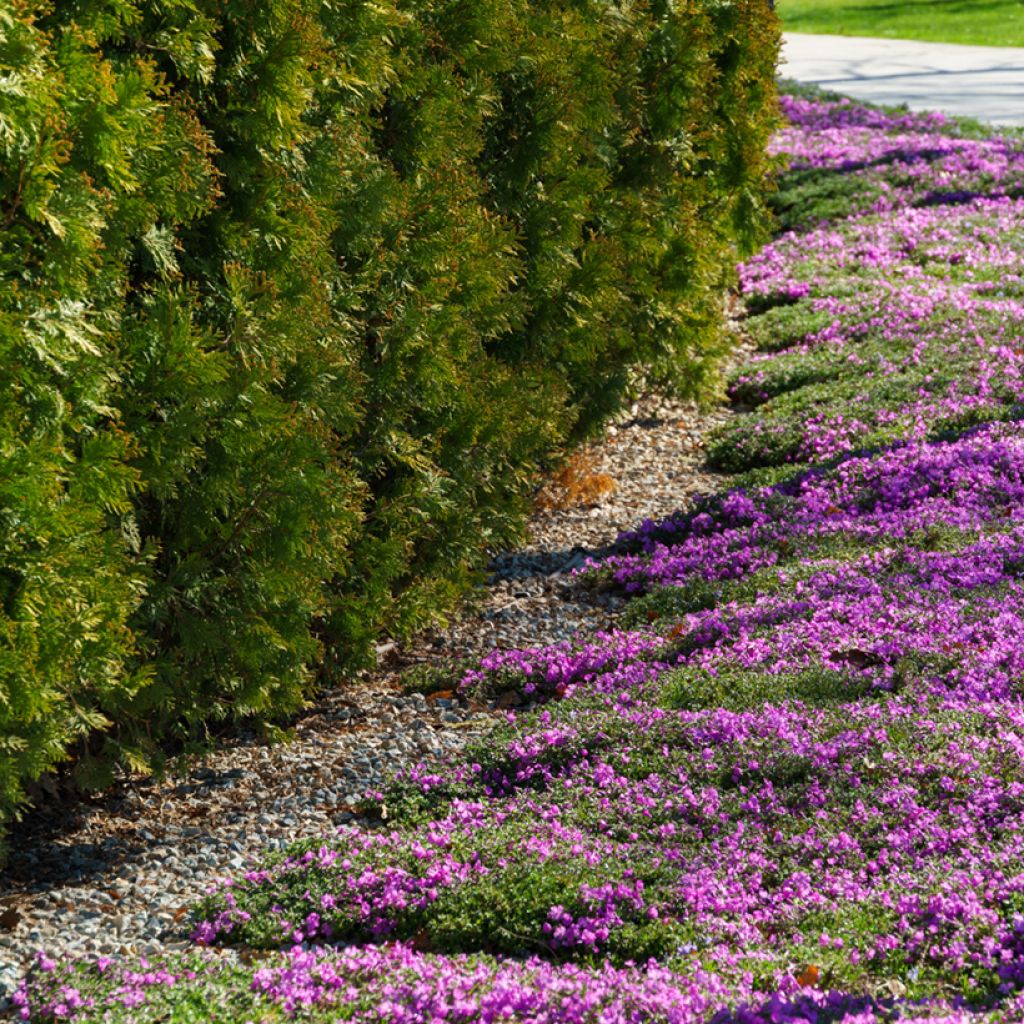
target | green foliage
x=694, y=689
x=432, y=677
x=810, y=197
x=294, y=301
x=671, y=602
x=805, y=382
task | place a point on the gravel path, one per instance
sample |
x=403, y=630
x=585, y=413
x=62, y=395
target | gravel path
x=117, y=873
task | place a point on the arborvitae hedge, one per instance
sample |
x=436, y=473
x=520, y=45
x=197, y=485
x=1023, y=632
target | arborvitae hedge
x=295, y=296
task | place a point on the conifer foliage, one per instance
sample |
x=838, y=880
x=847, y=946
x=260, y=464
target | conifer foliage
x=296, y=296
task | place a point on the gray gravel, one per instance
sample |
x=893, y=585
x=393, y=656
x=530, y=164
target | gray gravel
x=116, y=874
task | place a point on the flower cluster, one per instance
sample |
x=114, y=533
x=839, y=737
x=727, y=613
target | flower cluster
x=391, y=982
x=845, y=158
x=397, y=984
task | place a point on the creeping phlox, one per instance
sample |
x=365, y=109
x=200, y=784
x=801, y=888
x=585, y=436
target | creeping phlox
x=789, y=788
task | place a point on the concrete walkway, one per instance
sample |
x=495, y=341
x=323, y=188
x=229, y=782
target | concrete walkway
x=985, y=82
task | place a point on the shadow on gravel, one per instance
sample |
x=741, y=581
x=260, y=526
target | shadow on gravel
x=523, y=565
x=46, y=863
x=41, y=856
x=207, y=778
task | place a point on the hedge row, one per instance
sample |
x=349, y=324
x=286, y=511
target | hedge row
x=296, y=296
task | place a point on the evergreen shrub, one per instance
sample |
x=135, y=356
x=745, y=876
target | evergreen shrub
x=296, y=297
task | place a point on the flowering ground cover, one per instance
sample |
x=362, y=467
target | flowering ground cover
x=789, y=788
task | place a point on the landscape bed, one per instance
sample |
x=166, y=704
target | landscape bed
x=789, y=788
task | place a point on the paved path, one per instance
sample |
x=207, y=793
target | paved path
x=986, y=82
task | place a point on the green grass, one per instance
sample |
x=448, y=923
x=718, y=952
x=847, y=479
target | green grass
x=977, y=22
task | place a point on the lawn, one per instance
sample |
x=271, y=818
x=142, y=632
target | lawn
x=977, y=22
